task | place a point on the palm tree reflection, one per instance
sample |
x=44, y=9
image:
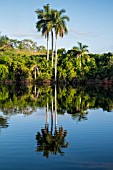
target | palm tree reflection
x=51, y=144
x=51, y=141
x=80, y=116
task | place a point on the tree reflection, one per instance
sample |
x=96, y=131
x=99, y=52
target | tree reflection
x=15, y=99
x=80, y=116
x=49, y=143
x=3, y=122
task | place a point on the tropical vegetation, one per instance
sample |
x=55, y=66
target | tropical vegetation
x=20, y=65
x=24, y=61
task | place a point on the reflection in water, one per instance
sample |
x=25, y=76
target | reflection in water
x=3, y=122
x=16, y=99
x=91, y=142
x=50, y=142
x=55, y=106
x=75, y=101
x=80, y=116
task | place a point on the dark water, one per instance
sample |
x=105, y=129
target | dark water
x=56, y=128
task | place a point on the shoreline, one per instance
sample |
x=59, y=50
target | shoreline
x=74, y=82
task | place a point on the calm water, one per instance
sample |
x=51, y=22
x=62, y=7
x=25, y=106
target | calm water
x=56, y=128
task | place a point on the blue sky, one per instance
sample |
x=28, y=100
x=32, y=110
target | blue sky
x=91, y=22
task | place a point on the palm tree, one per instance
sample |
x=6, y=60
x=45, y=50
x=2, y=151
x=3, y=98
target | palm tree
x=60, y=29
x=50, y=19
x=43, y=24
x=81, y=51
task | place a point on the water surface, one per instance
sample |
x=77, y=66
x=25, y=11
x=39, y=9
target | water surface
x=56, y=128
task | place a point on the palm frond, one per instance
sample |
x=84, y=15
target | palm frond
x=85, y=47
x=62, y=11
x=65, y=17
x=80, y=45
x=75, y=48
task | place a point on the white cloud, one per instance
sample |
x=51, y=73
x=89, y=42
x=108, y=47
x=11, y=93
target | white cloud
x=26, y=35
x=73, y=33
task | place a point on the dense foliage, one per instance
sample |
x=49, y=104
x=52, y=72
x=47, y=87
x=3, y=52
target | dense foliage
x=29, y=63
x=17, y=66
x=21, y=66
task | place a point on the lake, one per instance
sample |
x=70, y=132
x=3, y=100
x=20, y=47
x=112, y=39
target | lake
x=60, y=128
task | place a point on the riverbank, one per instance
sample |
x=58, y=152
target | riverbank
x=74, y=82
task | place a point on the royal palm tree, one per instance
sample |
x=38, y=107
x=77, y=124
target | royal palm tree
x=60, y=29
x=43, y=23
x=46, y=24
x=49, y=20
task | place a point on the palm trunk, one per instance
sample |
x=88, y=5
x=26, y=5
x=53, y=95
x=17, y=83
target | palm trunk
x=56, y=60
x=35, y=73
x=52, y=40
x=55, y=107
x=35, y=90
x=47, y=47
x=80, y=62
x=52, y=116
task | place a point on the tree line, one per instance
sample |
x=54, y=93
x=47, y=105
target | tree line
x=7, y=43
x=73, y=66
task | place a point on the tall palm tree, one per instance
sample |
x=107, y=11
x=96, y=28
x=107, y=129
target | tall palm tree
x=43, y=23
x=60, y=29
x=50, y=19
